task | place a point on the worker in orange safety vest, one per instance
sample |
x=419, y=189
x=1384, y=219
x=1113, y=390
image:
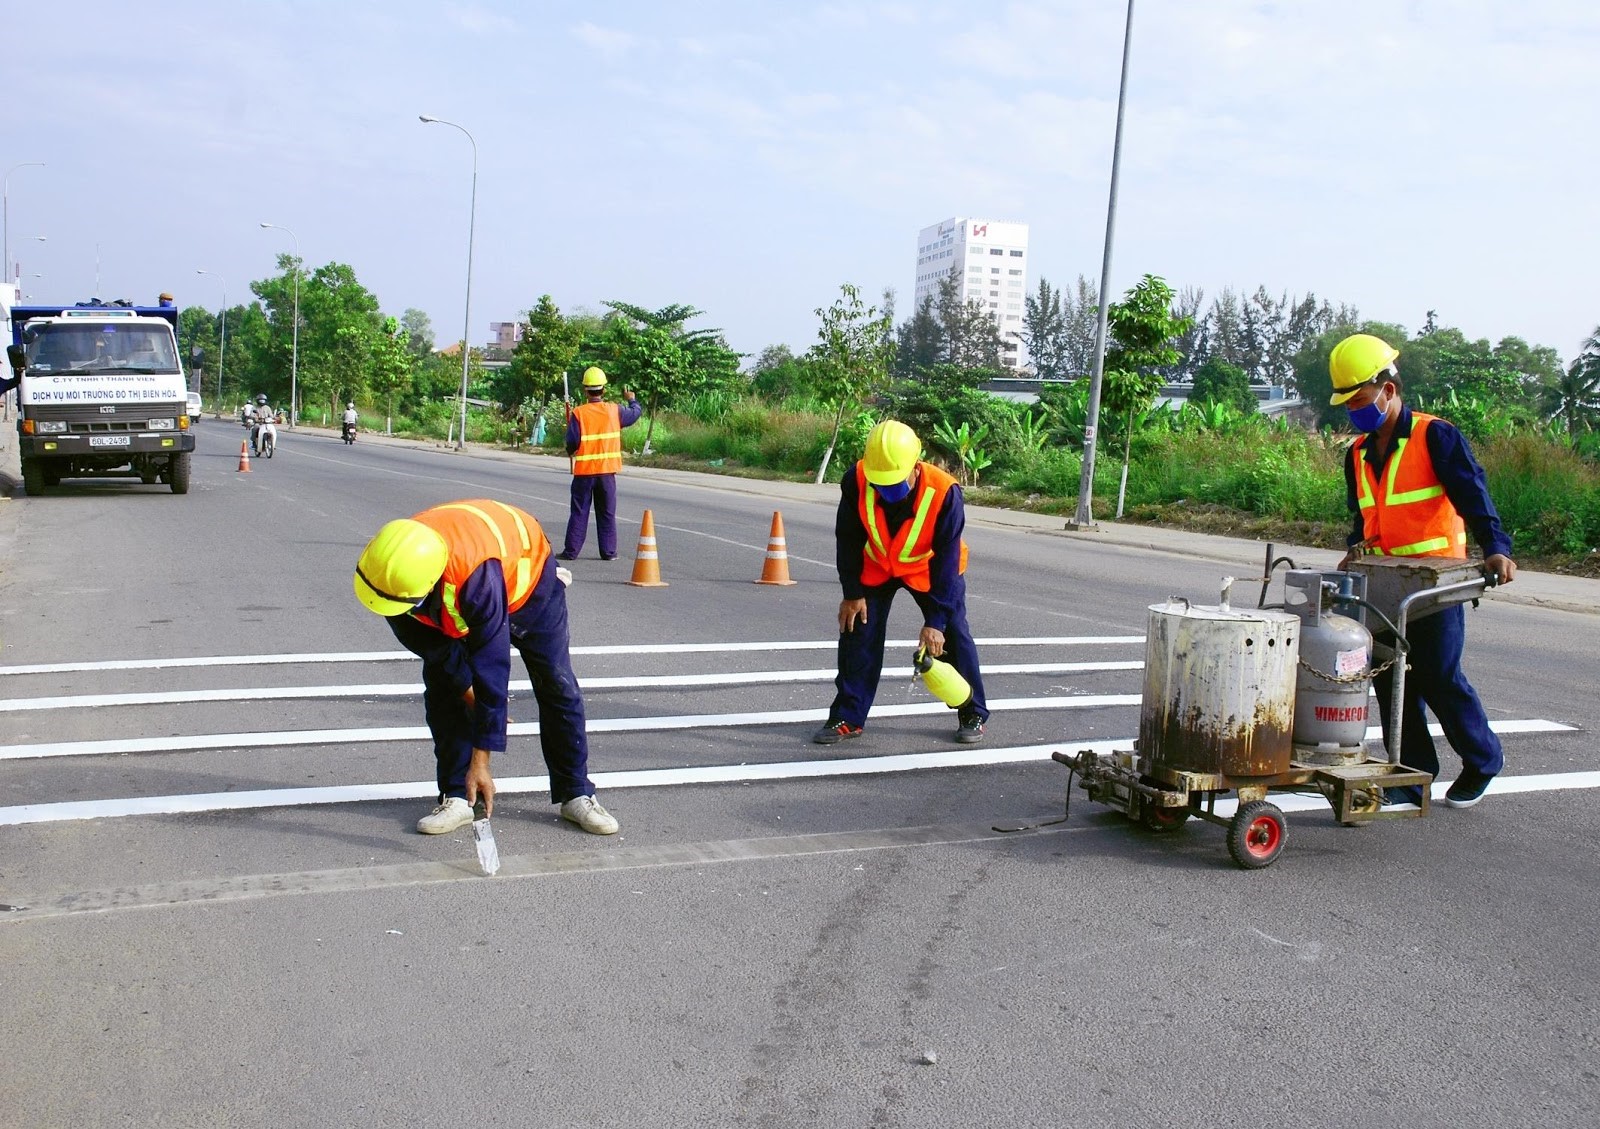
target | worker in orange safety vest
x=594, y=440
x=899, y=525
x=1414, y=489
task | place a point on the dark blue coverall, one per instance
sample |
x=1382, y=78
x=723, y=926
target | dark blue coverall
x=1434, y=677
x=598, y=489
x=481, y=661
x=944, y=604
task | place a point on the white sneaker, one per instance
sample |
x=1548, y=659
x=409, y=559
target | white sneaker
x=587, y=813
x=447, y=817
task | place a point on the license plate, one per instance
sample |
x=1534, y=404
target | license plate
x=109, y=440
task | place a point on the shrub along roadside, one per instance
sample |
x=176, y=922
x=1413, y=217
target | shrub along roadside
x=1214, y=471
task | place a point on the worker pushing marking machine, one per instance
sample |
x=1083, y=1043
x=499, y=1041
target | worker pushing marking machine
x=899, y=525
x=594, y=440
x=460, y=585
x=1413, y=489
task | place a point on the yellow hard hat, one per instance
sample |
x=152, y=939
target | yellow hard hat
x=399, y=567
x=1356, y=360
x=593, y=378
x=892, y=453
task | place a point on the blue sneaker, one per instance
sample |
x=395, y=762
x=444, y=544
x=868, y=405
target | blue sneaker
x=1467, y=789
x=1410, y=794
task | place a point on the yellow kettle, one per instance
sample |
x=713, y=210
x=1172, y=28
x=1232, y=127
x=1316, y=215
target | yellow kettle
x=943, y=679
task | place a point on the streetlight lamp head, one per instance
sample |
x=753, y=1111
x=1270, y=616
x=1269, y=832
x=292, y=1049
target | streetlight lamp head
x=426, y=118
x=265, y=224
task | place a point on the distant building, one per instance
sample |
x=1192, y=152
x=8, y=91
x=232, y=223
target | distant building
x=989, y=258
x=506, y=334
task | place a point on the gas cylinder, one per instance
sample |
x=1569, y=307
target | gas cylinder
x=943, y=679
x=1331, y=697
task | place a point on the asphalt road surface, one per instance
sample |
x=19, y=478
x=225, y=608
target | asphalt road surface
x=216, y=910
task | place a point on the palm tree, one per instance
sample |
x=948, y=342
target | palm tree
x=1575, y=399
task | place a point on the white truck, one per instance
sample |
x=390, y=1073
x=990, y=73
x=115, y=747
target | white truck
x=102, y=394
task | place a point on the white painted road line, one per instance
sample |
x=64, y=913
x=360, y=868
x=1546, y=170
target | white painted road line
x=414, y=689
x=678, y=777
x=616, y=649
x=291, y=737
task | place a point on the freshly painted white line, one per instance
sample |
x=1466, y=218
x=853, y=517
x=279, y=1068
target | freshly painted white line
x=679, y=777
x=512, y=785
x=292, y=737
x=608, y=649
x=403, y=689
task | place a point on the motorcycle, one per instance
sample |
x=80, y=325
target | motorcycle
x=349, y=433
x=264, y=438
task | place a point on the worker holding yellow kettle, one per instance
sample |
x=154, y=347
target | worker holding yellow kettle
x=899, y=525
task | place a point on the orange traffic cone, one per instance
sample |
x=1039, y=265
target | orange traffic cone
x=244, y=457
x=775, y=569
x=646, y=564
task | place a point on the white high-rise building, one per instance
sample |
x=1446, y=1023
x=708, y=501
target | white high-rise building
x=989, y=258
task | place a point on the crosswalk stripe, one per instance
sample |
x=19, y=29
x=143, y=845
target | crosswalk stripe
x=607, y=649
x=402, y=689
x=291, y=737
x=709, y=774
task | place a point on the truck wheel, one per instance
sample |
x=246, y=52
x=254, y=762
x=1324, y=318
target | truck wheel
x=33, y=477
x=178, y=473
x=1257, y=834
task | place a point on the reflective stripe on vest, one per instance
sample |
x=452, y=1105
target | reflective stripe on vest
x=599, y=439
x=479, y=530
x=904, y=556
x=1410, y=516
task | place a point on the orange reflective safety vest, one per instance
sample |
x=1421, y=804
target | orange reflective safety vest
x=905, y=555
x=1407, y=515
x=599, y=439
x=479, y=530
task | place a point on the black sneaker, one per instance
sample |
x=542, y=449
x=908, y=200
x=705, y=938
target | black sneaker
x=969, y=729
x=834, y=732
x=566, y=556
x=1410, y=794
x=612, y=557
x=1468, y=788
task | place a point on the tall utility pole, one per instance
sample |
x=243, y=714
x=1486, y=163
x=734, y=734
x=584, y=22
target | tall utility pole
x=472, y=223
x=5, y=203
x=1084, y=519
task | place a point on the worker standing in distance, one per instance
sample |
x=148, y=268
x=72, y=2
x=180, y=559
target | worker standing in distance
x=460, y=585
x=594, y=440
x=1414, y=489
x=899, y=525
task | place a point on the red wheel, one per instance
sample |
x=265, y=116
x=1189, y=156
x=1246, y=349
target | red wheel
x=1257, y=835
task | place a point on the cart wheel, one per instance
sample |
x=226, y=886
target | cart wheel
x=1157, y=818
x=1257, y=835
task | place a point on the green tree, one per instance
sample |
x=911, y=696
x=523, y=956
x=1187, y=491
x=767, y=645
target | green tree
x=851, y=358
x=971, y=335
x=546, y=351
x=198, y=341
x=1044, y=332
x=1218, y=382
x=392, y=362
x=1142, y=328
x=1575, y=398
x=419, y=332
x=920, y=342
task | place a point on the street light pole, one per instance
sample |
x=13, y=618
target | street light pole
x=466, y=328
x=5, y=191
x=1084, y=519
x=294, y=347
x=222, y=351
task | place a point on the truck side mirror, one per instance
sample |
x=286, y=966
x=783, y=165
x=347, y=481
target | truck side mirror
x=18, y=356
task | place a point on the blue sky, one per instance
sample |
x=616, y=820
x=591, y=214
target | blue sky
x=748, y=158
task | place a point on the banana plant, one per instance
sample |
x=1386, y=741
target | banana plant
x=966, y=444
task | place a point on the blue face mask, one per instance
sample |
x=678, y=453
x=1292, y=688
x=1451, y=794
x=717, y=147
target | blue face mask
x=894, y=493
x=1367, y=419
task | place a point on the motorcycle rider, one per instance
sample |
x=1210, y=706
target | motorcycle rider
x=350, y=418
x=263, y=416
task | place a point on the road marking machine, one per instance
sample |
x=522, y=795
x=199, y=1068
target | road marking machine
x=1275, y=699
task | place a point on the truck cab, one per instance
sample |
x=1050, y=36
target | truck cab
x=103, y=394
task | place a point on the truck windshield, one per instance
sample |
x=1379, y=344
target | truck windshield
x=83, y=348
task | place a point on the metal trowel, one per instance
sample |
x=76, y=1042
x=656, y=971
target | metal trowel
x=483, y=837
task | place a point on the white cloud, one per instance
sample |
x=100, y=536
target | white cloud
x=610, y=42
